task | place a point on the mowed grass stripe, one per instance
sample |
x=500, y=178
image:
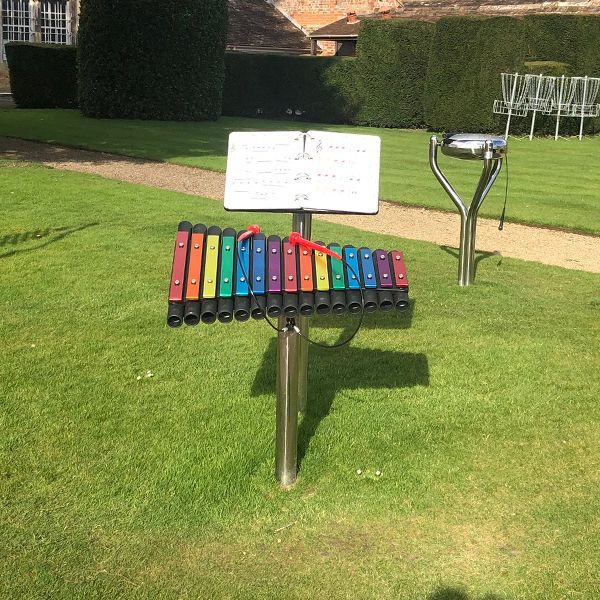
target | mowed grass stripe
x=551, y=183
x=480, y=409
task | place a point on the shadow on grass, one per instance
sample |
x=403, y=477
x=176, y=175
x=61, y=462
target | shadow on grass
x=479, y=255
x=57, y=233
x=453, y=593
x=333, y=370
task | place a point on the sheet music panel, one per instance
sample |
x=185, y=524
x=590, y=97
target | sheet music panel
x=316, y=171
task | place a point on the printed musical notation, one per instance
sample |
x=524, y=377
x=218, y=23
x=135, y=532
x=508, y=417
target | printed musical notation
x=315, y=171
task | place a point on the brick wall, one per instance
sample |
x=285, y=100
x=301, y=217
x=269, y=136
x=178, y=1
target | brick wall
x=313, y=14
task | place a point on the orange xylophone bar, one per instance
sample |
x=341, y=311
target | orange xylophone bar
x=221, y=275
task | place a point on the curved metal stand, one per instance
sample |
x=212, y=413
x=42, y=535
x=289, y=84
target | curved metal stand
x=468, y=215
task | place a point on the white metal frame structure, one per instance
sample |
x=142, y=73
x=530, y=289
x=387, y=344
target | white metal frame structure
x=513, y=98
x=540, y=89
x=557, y=96
x=562, y=98
x=585, y=93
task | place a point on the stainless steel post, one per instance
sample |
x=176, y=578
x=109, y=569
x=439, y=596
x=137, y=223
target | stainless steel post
x=292, y=374
x=469, y=147
x=286, y=420
x=302, y=223
x=491, y=168
x=463, y=249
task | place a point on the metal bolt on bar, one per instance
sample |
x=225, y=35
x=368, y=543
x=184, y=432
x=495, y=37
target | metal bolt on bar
x=468, y=146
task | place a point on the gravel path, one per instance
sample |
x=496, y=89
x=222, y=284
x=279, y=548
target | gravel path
x=570, y=250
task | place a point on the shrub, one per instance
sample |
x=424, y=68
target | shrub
x=463, y=77
x=270, y=85
x=468, y=55
x=166, y=63
x=563, y=45
x=547, y=67
x=551, y=37
x=391, y=68
x=42, y=75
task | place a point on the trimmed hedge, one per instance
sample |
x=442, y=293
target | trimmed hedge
x=271, y=85
x=463, y=77
x=152, y=59
x=468, y=54
x=42, y=75
x=407, y=73
x=552, y=38
x=391, y=68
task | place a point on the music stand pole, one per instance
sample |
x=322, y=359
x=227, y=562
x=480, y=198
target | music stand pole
x=292, y=373
x=302, y=223
x=286, y=420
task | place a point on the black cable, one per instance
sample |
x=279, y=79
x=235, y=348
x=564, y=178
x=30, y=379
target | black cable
x=358, y=325
x=253, y=294
x=501, y=224
x=296, y=329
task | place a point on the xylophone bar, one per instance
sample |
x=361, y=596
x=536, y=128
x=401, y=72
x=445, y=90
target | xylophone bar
x=178, y=271
x=217, y=277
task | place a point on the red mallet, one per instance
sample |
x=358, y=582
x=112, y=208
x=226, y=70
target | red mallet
x=250, y=231
x=296, y=239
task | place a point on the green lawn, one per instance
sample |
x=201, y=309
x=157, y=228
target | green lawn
x=480, y=408
x=551, y=183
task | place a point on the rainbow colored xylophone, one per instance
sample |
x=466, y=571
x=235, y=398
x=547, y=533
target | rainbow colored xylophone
x=212, y=269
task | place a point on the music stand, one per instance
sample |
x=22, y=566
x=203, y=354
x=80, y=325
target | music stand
x=302, y=173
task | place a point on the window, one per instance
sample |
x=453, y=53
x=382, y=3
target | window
x=55, y=22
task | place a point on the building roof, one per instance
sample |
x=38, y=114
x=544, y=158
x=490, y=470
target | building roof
x=431, y=10
x=341, y=29
x=257, y=26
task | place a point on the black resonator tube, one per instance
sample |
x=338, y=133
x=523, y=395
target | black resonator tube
x=258, y=307
x=241, y=308
x=371, y=302
x=322, y=302
x=290, y=304
x=401, y=301
x=208, y=314
x=385, y=300
x=274, y=305
x=175, y=314
x=353, y=301
x=338, y=302
x=306, y=303
x=225, y=310
x=192, y=311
